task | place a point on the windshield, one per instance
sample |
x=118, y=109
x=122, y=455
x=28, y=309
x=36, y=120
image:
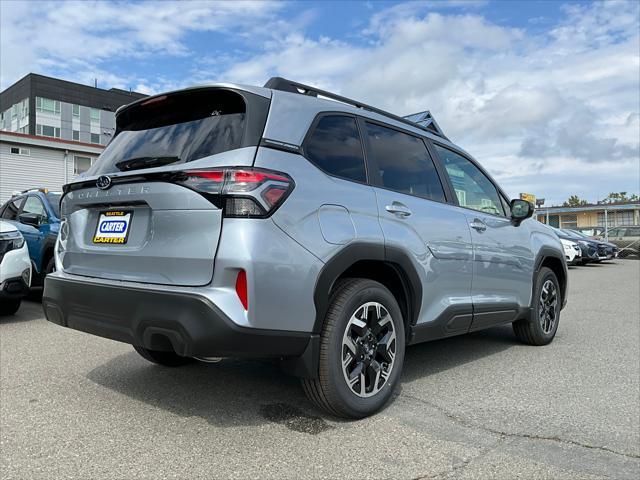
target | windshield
x=572, y=234
x=54, y=201
x=173, y=129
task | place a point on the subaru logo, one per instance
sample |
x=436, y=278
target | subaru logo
x=103, y=182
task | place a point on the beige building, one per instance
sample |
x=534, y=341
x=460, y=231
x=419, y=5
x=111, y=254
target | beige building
x=599, y=215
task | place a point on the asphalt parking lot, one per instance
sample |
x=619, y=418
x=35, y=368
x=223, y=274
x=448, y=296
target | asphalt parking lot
x=477, y=406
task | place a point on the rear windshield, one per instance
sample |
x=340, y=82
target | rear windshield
x=176, y=128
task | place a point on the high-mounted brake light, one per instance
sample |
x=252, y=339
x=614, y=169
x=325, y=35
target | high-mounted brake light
x=159, y=99
x=247, y=192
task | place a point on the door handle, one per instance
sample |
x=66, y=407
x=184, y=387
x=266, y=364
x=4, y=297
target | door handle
x=478, y=225
x=398, y=209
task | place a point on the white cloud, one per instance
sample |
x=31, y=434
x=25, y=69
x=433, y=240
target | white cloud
x=76, y=38
x=563, y=103
x=532, y=107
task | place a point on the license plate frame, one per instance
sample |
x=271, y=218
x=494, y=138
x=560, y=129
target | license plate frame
x=113, y=227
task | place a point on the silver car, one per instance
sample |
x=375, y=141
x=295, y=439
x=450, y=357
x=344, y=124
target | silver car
x=292, y=223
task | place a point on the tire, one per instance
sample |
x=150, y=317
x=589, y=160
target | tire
x=380, y=355
x=541, y=328
x=9, y=306
x=166, y=359
x=51, y=266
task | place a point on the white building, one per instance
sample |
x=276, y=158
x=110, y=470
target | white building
x=29, y=161
x=51, y=130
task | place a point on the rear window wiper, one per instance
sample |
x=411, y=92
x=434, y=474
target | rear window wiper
x=145, y=162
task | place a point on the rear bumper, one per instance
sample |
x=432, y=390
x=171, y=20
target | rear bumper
x=192, y=324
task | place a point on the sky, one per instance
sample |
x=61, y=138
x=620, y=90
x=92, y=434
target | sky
x=546, y=95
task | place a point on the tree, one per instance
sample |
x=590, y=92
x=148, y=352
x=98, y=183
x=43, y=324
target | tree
x=615, y=197
x=574, y=201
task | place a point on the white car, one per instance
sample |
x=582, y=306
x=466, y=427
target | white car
x=572, y=251
x=15, y=269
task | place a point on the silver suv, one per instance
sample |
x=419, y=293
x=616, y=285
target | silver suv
x=291, y=223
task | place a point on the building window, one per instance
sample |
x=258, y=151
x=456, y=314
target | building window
x=76, y=135
x=569, y=221
x=47, y=131
x=81, y=164
x=95, y=138
x=20, y=151
x=616, y=219
x=76, y=110
x=46, y=105
x=95, y=115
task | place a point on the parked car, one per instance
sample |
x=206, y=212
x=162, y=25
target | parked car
x=592, y=250
x=15, y=269
x=234, y=221
x=606, y=250
x=36, y=214
x=627, y=239
x=572, y=252
x=588, y=249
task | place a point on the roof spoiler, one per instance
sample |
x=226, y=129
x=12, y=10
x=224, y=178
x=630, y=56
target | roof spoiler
x=284, y=85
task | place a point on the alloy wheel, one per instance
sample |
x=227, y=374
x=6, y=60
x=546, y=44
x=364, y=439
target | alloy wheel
x=368, y=349
x=548, y=305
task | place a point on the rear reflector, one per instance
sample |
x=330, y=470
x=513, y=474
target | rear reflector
x=248, y=192
x=241, y=289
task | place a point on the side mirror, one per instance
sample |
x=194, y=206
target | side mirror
x=32, y=219
x=520, y=210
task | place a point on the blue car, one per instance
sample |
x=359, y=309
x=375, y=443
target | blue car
x=36, y=213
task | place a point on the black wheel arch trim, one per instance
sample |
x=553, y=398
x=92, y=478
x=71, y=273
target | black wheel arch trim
x=543, y=254
x=360, y=251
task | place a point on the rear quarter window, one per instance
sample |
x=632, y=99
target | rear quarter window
x=334, y=146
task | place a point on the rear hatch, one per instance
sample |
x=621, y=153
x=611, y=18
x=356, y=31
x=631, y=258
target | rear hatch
x=131, y=218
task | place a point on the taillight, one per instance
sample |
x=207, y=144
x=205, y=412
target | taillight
x=245, y=192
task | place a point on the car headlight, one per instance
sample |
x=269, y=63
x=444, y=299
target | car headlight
x=11, y=241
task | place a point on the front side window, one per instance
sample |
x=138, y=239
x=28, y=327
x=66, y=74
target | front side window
x=473, y=189
x=335, y=147
x=10, y=212
x=404, y=163
x=34, y=205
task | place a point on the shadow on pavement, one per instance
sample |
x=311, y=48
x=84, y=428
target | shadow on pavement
x=226, y=394
x=238, y=392
x=29, y=310
x=430, y=358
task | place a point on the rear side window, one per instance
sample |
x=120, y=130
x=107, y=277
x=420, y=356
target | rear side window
x=182, y=127
x=335, y=147
x=404, y=163
x=632, y=232
x=10, y=212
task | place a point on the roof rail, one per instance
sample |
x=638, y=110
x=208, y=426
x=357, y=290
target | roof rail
x=284, y=85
